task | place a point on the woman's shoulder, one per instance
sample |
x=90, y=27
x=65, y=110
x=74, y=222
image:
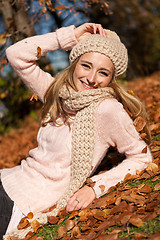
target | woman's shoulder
x=110, y=105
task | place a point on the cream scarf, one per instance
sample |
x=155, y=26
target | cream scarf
x=83, y=136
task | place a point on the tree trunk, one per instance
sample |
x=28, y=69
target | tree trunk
x=16, y=19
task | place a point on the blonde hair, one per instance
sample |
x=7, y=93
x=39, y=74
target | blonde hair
x=133, y=106
x=53, y=107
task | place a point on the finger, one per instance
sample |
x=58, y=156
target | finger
x=71, y=205
x=100, y=30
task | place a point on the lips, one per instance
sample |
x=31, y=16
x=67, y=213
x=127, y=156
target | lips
x=86, y=86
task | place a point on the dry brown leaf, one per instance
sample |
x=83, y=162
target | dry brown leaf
x=102, y=187
x=70, y=224
x=62, y=231
x=143, y=135
x=124, y=217
x=85, y=227
x=144, y=150
x=131, y=92
x=12, y=238
x=154, y=127
x=145, y=189
x=30, y=215
x=53, y=219
x=107, y=211
x=118, y=200
x=24, y=223
x=74, y=214
x=157, y=187
x=75, y=232
x=136, y=221
x=110, y=236
x=100, y=215
x=60, y=7
x=152, y=167
x=127, y=177
x=119, y=208
x=139, y=123
x=38, y=52
x=89, y=182
x=152, y=205
x=34, y=97
x=29, y=235
x=84, y=213
x=155, y=178
x=35, y=225
x=59, y=13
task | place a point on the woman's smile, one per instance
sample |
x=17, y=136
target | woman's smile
x=86, y=85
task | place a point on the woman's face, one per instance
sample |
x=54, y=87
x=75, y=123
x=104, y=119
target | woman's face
x=93, y=70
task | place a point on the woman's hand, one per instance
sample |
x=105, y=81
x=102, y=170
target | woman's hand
x=81, y=199
x=88, y=29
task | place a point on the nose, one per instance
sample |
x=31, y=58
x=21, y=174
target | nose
x=91, y=78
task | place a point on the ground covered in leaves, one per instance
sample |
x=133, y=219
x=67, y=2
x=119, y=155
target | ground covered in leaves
x=130, y=210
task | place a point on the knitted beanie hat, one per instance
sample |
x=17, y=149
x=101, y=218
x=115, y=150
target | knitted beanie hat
x=110, y=45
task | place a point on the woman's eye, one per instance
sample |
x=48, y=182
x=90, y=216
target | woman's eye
x=104, y=73
x=85, y=65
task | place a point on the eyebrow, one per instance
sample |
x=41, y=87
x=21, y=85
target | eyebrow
x=103, y=69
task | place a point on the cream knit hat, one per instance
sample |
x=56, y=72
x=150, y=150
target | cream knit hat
x=110, y=45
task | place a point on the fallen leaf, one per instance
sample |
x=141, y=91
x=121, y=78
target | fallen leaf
x=38, y=52
x=100, y=215
x=143, y=135
x=3, y=38
x=35, y=225
x=53, y=219
x=157, y=187
x=70, y=224
x=131, y=92
x=144, y=150
x=34, y=97
x=145, y=189
x=136, y=221
x=84, y=213
x=152, y=167
x=139, y=123
x=75, y=232
x=60, y=7
x=62, y=231
x=24, y=223
x=89, y=182
x=102, y=187
x=30, y=215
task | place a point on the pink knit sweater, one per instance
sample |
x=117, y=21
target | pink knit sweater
x=42, y=178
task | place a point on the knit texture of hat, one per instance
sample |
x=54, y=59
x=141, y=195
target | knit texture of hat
x=110, y=45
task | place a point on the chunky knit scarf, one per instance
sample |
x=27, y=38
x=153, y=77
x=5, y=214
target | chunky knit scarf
x=83, y=136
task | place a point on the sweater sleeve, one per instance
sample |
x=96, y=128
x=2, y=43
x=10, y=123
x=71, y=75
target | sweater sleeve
x=115, y=128
x=24, y=54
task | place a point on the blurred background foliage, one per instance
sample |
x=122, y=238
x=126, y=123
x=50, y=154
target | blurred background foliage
x=137, y=22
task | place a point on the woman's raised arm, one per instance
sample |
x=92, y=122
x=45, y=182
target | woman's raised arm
x=24, y=54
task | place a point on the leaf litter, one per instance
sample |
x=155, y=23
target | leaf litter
x=129, y=210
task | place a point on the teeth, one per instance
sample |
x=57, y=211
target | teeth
x=87, y=85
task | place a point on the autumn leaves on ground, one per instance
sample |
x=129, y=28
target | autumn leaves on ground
x=131, y=210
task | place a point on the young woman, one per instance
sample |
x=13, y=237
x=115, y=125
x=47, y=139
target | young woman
x=84, y=113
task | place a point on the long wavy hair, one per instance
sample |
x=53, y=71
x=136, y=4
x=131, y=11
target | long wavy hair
x=53, y=107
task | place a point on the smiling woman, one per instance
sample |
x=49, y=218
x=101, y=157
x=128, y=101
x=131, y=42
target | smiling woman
x=84, y=113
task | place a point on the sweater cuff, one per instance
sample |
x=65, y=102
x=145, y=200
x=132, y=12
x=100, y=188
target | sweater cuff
x=66, y=37
x=99, y=189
